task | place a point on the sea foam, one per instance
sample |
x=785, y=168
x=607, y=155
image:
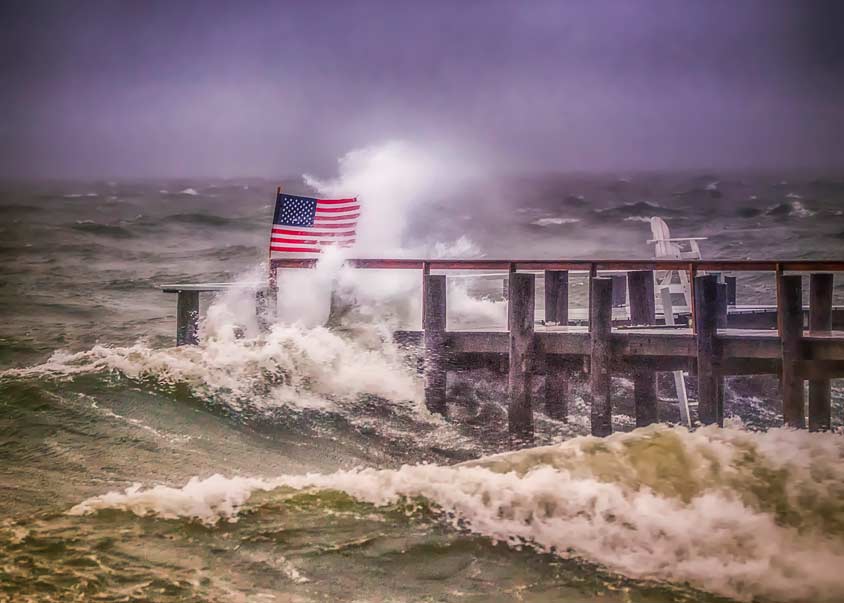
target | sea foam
x=741, y=514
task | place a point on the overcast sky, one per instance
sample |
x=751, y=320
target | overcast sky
x=137, y=89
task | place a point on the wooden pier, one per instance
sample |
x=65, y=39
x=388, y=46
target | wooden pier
x=716, y=340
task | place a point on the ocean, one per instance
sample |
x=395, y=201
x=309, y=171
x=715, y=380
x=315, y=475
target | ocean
x=301, y=465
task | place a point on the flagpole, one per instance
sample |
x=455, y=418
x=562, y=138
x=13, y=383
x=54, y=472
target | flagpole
x=272, y=281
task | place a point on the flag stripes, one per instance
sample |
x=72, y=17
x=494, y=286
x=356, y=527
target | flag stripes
x=305, y=226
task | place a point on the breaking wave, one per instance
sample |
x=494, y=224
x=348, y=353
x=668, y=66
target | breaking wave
x=290, y=367
x=753, y=516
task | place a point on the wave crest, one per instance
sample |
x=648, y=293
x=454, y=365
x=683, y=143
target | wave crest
x=746, y=515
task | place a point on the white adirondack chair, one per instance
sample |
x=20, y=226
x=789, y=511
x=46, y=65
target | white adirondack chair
x=666, y=247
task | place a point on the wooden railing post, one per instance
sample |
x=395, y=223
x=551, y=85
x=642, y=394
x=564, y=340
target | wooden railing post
x=272, y=294
x=557, y=297
x=732, y=284
x=790, y=318
x=619, y=290
x=426, y=270
x=643, y=312
x=522, y=357
x=187, y=318
x=556, y=373
x=722, y=311
x=692, y=270
x=820, y=320
x=600, y=329
x=593, y=273
x=706, y=325
x=262, y=309
x=434, y=325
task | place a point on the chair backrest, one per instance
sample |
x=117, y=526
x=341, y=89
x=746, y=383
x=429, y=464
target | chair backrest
x=661, y=235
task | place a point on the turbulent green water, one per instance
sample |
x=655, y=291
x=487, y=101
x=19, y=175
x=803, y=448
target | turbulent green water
x=234, y=471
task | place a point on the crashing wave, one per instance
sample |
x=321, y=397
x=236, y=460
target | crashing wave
x=746, y=515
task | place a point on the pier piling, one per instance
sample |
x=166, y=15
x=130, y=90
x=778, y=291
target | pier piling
x=557, y=378
x=600, y=327
x=706, y=325
x=790, y=311
x=433, y=324
x=643, y=312
x=522, y=357
x=187, y=318
x=262, y=310
x=722, y=295
x=820, y=321
x=557, y=296
x=619, y=290
x=731, y=289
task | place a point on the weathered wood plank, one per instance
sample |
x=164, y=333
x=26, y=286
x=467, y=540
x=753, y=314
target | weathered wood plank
x=643, y=312
x=262, y=310
x=580, y=264
x=790, y=310
x=557, y=379
x=187, y=318
x=557, y=297
x=600, y=300
x=619, y=290
x=522, y=358
x=706, y=319
x=732, y=289
x=434, y=325
x=821, y=285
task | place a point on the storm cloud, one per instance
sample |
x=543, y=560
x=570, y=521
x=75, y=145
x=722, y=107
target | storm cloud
x=137, y=89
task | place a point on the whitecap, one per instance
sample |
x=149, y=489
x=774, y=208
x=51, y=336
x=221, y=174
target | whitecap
x=740, y=514
x=554, y=221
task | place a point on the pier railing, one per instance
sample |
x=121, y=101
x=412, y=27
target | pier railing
x=800, y=343
x=708, y=349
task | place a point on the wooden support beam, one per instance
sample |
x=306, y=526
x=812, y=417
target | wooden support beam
x=706, y=324
x=435, y=349
x=721, y=303
x=557, y=379
x=272, y=293
x=557, y=297
x=426, y=270
x=262, y=309
x=522, y=357
x=722, y=299
x=643, y=312
x=619, y=290
x=187, y=318
x=820, y=320
x=790, y=312
x=732, y=283
x=600, y=305
x=642, y=304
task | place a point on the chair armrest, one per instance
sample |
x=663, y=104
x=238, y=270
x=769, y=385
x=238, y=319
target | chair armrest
x=677, y=240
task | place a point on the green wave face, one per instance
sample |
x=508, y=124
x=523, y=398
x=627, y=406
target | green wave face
x=312, y=545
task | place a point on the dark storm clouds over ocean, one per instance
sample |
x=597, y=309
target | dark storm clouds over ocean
x=110, y=89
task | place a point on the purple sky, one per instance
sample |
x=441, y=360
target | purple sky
x=181, y=88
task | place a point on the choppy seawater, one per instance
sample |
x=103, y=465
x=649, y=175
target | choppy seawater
x=301, y=465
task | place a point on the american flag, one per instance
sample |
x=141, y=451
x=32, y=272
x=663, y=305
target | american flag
x=305, y=226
